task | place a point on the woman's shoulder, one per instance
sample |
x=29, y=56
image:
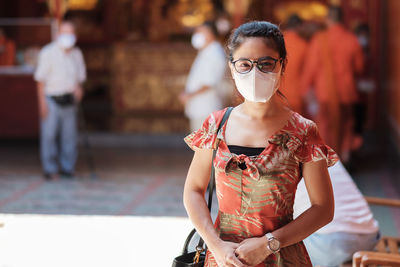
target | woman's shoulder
x=206, y=136
x=215, y=117
x=302, y=124
x=307, y=144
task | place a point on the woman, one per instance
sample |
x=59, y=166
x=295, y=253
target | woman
x=264, y=150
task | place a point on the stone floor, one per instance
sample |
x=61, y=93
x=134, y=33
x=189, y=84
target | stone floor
x=131, y=210
x=130, y=179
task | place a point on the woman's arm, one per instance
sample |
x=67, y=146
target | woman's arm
x=319, y=188
x=196, y=207
x=320, y=213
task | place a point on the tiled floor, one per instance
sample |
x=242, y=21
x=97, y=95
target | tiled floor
x=129, y=181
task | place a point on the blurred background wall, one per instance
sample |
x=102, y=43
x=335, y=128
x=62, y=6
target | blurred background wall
x=391, y=66
x=138, y=55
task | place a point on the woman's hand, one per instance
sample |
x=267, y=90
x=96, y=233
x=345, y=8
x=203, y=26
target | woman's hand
x=253, y=251
x=225, y=256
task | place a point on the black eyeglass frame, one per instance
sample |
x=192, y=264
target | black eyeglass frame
x=257, y=64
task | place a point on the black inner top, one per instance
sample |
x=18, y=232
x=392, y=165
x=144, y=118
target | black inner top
x=248, y=151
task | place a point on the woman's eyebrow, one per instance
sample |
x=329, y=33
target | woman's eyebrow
x=258, y=59
x=243, y=58
x=267, y=57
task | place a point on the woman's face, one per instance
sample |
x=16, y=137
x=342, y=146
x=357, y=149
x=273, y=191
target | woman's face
x=254, y=48
x=256, y=70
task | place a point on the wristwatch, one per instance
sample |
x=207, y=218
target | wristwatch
x=273, y=244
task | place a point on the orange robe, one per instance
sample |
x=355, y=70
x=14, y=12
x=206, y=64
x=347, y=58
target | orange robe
x=7, y=52
x=291, y=85
x=333, y=59
x=346, y=58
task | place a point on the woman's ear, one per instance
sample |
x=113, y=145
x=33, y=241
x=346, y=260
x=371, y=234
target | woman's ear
x=284, y=63
x=231, y=68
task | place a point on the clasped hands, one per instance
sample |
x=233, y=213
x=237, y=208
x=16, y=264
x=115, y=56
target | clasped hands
x=250, y=252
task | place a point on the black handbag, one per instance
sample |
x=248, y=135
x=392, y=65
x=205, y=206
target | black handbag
x=189, y=258
x=196, y=258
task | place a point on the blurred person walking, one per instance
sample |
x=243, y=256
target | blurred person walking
x=201, y=96
x=7, y=50
x=296, y=47
x=352, y=229
x=60, y=73
x=333, y=59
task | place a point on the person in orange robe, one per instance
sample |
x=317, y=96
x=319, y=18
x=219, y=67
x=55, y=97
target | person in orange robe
x=333, y=60
x=7, y=50
x=296, y=48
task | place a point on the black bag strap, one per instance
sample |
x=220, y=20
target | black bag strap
x=211, y=185
x=187, y=241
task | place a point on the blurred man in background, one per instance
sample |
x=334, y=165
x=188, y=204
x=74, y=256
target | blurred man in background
x=333, y=60
x=59, y=75
x=296, y=47
x=7, y=50
x=201, y=96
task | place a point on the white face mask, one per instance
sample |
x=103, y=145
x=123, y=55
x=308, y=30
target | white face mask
x=198, y=40
x=223, y=26
x=363, y=40
x=256, y=86
x=66, y=40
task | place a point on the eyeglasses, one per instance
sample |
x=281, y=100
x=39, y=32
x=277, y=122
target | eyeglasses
x=264, y=64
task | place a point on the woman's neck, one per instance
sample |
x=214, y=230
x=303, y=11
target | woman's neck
x=260, y=111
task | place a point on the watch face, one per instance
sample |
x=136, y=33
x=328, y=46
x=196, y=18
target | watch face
x=274, y=244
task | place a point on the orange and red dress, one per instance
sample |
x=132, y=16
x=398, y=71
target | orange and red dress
x=259, y=199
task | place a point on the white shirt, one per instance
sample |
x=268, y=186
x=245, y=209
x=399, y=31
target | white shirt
x=208, y=69
x=60, y=71
x=352, y=213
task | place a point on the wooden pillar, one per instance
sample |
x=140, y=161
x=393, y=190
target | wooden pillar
x=57, y=13
x=391, y=67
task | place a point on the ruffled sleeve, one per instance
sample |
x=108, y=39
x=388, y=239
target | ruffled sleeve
x=313, y=148
x=206, y=136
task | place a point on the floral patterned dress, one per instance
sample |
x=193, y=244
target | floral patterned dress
x=259, y=199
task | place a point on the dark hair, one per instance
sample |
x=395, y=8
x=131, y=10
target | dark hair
x=335, y=13
x=271, y=33
x=362, y=28
x=211, y=26
x=293, y=21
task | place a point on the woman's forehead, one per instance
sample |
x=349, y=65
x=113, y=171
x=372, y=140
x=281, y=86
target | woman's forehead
x=256, y=47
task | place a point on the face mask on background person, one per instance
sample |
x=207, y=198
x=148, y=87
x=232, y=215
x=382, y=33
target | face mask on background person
x=257, y=86
x=223, y=26
x=66, y=40
x=363, y=40
x=198, y=40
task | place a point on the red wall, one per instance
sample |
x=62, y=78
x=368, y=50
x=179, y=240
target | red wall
x=18, y=106
x=393, y=66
